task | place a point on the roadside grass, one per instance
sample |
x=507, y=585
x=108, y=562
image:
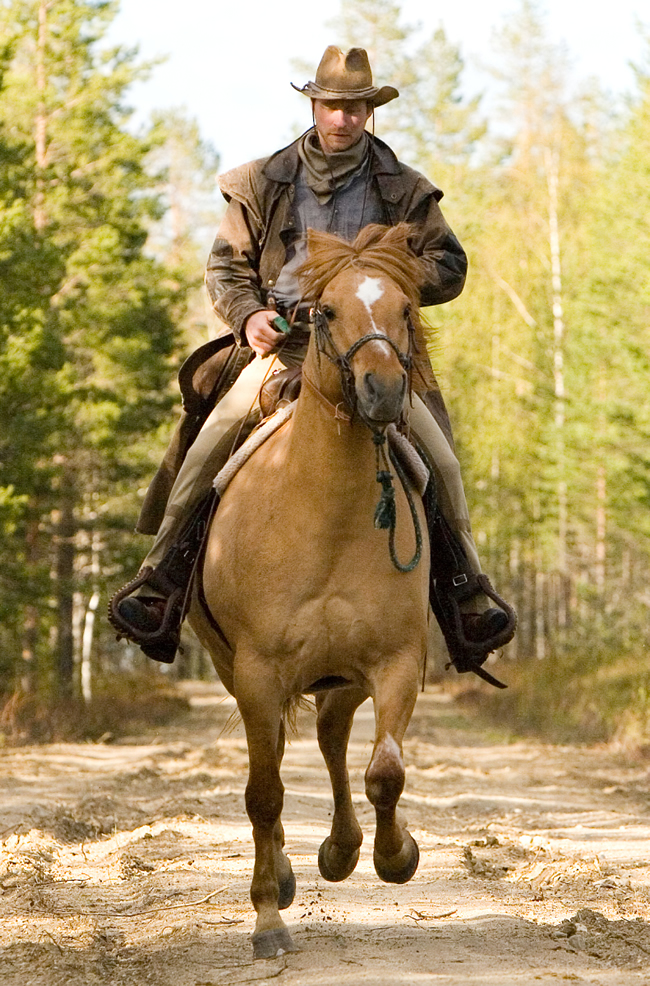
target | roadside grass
x=121, y=705
x=578, y=698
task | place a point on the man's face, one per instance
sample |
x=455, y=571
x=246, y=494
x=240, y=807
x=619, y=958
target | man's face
x=340, y=123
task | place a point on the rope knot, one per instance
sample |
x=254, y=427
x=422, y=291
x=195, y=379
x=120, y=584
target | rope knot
x=385, y=512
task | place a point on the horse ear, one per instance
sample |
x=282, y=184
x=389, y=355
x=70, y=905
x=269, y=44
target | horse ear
x=313, y=237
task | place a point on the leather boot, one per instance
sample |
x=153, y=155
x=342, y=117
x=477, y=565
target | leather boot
x=470, y=637
x=153, y=619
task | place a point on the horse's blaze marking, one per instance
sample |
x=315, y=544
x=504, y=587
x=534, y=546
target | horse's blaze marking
x=368, y=292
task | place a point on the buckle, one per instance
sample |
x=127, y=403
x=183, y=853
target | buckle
x=302, y=313
x=459, y=580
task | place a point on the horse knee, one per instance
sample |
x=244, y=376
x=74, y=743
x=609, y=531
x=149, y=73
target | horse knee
x=385, y=775
x=264, y=802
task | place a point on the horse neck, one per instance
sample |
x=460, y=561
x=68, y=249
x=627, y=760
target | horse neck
x=322, y=432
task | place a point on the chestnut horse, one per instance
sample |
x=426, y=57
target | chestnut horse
x=302, y=584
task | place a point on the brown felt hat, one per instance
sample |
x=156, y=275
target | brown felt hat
x=346, y=75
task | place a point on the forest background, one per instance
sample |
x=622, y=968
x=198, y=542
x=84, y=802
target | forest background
x=105, y=224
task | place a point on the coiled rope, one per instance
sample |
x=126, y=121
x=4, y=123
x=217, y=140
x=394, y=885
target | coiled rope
x=386, y=510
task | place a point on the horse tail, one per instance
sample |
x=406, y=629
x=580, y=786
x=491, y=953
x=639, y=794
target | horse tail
x=291, y=711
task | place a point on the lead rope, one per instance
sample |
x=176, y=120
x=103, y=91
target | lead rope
x=386, y=511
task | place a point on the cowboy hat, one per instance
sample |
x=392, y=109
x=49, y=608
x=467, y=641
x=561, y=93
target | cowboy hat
x=346, y=75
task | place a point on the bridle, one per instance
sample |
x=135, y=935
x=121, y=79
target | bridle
x=385, y=513
x=325, y=346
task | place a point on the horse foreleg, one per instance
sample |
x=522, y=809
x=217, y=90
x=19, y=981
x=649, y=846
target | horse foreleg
x=339, y=852
x=284, y=872
x=396, y=853
x=262, y=714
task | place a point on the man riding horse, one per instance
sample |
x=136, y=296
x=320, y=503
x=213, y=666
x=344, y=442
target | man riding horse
x=337, y=178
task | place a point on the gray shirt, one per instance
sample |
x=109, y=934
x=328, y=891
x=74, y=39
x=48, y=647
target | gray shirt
x=354, y=204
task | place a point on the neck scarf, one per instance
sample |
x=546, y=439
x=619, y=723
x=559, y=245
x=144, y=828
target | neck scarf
x=325, y=173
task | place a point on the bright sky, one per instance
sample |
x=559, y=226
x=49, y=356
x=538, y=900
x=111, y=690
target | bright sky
x=229, y=60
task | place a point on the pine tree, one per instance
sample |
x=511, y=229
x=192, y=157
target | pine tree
x=105, y=313
x=431, y=126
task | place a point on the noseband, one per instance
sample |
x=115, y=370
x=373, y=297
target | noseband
x=326, y=346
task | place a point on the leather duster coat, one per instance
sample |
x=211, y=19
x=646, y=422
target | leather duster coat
x=249, y=250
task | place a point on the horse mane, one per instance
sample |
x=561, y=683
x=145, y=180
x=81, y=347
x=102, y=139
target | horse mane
x=384, y=249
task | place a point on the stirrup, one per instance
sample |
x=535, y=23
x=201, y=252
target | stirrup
x=469, y=655
x=160, y=644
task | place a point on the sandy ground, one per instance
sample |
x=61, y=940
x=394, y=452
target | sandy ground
x=130, y=863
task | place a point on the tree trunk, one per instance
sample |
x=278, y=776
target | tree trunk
x=30, y=625
x=551, y=162
x=89, y=624
x=40, y=123
x=65, y=552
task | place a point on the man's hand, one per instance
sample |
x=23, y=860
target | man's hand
x=260, y=334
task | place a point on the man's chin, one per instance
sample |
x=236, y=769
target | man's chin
x=340, y=143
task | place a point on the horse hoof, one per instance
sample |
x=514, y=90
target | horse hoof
x=399, y=868
x=270, y=944
x=287, y=890
x=335, y=864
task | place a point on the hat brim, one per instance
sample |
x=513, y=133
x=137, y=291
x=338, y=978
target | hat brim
x=378, y=97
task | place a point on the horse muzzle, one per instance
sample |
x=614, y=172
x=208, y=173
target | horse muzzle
x=380, y=400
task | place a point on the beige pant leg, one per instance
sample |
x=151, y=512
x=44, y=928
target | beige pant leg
x=449, y=482
x=240, y=399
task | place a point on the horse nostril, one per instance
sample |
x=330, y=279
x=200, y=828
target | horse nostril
x=371, y=385
x=382, y=398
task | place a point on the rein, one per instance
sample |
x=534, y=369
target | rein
x=385, y=512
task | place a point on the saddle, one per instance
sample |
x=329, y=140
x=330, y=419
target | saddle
x=281, y=388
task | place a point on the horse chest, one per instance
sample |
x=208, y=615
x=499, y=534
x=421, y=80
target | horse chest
x=332, y=632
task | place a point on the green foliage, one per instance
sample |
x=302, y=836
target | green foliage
x=89, y=320
x=544, y=357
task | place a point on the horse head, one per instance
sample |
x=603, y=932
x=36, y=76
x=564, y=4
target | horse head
x=367, y=297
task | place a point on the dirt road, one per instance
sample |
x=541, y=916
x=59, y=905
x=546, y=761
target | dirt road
x=129, y=863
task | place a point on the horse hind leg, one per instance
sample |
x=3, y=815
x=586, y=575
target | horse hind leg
x=396, y=853
x=339, y=853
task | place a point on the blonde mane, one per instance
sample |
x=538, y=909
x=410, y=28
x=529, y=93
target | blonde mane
x=384, y=249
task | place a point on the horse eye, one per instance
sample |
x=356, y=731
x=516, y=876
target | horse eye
x=329, y=313
x=407, y=312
